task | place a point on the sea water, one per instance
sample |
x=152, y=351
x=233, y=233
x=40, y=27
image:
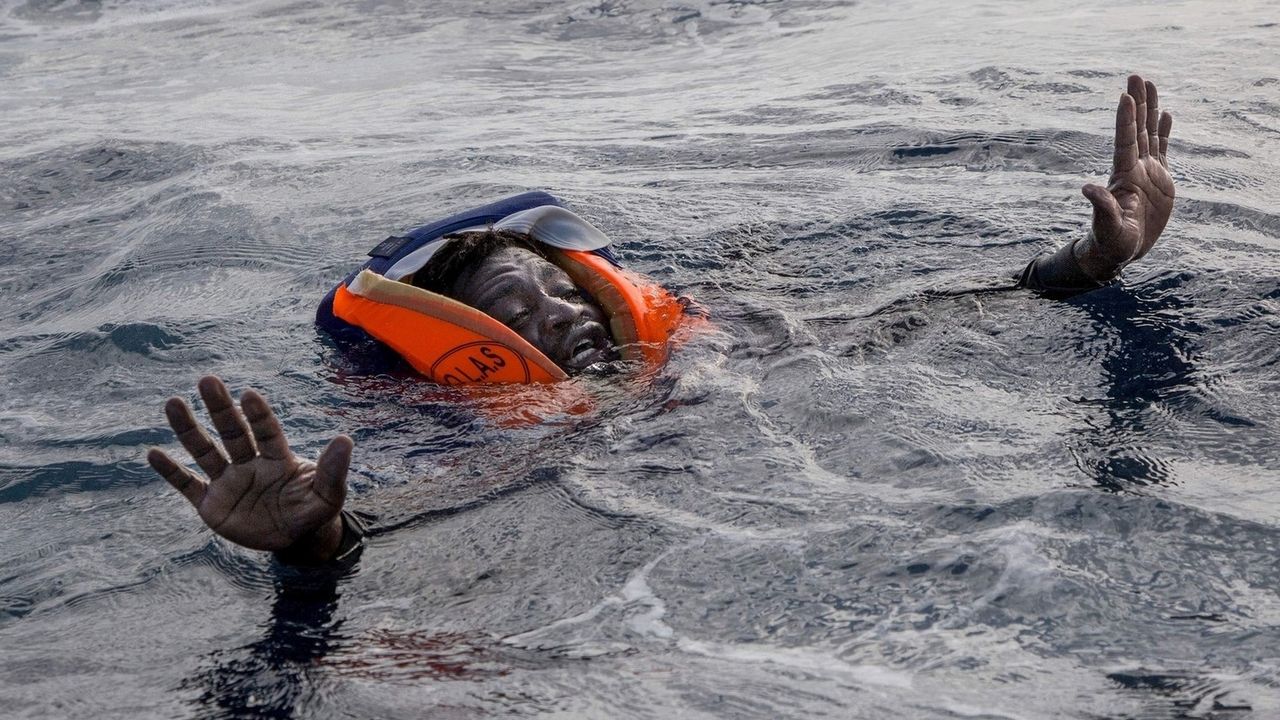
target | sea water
x=876, y=487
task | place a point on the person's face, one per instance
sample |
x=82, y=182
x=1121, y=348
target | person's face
x=538, y=300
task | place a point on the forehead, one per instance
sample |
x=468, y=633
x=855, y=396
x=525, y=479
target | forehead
x=514, y=265
x=510, y=274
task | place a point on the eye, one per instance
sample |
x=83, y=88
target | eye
x=570, y=293
x=511, y=315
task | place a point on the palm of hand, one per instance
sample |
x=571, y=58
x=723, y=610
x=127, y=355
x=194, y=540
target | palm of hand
x=265, y=504
x=259, y=494
x=1131, y=212
x=1145, y=197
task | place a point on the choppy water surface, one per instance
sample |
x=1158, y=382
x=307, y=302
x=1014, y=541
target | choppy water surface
x=855, y=498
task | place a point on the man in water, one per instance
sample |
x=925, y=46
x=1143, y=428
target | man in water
x=506, y=276
x=260, y=495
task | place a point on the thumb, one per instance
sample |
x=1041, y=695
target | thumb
x=1106, y=211
x=331, y=470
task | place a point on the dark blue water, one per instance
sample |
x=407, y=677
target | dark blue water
x=859, y=496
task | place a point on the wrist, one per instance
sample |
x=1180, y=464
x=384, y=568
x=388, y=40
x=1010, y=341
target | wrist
x=317, y=547
x=1092, y=262
x=1060, y=273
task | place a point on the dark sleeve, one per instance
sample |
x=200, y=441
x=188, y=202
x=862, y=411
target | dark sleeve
x=1058, y=275
x=353, y=533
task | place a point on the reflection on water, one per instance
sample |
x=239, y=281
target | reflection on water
x=265, y=678
x=882, y=485
x=1148, y=364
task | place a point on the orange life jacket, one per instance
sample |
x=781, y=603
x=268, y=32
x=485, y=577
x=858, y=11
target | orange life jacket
x=454, y=344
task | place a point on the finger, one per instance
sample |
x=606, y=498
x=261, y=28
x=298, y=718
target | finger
x=331, y=470
x=1126, y=155
x=1153, y=118
x=266, y=428
x=227, y=419
x=194, y=438
x=1138, y=91
x=1166, y=127
x=1106, y=211
x=182, y=479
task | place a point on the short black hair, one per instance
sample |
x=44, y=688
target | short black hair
x=454, y=262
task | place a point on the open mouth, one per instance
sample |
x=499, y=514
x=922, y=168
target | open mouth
x=585, y=353
x=591, y=349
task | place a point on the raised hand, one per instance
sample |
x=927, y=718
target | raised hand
x=1131, y=211
x=259, y=494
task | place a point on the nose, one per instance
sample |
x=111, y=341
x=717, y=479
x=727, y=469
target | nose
x=557, y=315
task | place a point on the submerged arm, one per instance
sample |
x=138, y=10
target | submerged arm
x=1128, y=214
